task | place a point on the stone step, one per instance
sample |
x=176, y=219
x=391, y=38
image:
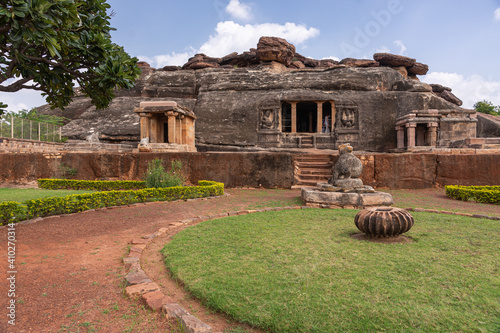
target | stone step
x=314, y=165
x=311, y=182
x=315, y=172
x=312, y=157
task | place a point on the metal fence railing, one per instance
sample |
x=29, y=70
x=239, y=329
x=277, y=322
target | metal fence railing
x=19, y=128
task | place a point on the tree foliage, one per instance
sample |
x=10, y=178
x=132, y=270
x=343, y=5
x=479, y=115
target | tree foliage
x=56, y=45
x=487, y=107
x=35, y=116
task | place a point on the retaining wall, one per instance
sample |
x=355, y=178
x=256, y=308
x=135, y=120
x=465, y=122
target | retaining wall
x=236, y=169
x=22, y=146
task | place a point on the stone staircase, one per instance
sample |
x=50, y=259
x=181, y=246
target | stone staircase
x=310, y=169
x=306, y=142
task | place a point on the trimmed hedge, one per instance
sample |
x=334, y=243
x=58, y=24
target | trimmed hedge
x=9, y=210
x=80, y=202
x=483, y=194
x=97, y=185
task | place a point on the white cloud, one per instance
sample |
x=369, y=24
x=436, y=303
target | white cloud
x=172, y=59
x=402, y=47
x=497, y=14
x=230, y=36
x=469, y=89
x=330, y=58
x=22, y=100
x=383, y=49
x=239, y=11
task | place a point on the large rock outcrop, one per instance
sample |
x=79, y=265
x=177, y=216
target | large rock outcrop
x=227, y=94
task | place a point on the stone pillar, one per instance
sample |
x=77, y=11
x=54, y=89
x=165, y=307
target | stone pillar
x=294, y=117
x=334, y=116
x=410, y=130
x=319, y=126
x=179, y=129
x=154, y=130
x=144, y=125
x=401, y=136
x=432, y=134
x=171, y=127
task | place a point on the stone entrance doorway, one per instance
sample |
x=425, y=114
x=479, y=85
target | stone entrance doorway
x=307, y=117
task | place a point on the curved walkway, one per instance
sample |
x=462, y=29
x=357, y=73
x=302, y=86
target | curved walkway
x=70, y=271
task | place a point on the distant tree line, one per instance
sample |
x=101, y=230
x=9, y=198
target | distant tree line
x=35, y=116
x=487, y=107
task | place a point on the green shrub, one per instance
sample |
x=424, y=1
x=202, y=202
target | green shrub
x=157, y=177
x=97, y=185
x=483, y=194
x=10, y=211
x=67, y=171
x=80, y=202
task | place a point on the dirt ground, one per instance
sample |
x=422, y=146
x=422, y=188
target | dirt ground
x=70, y=276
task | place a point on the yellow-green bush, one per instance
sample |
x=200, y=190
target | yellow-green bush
x=97, y=185
x=483, y=194
x=9, y=211
x=80, y=202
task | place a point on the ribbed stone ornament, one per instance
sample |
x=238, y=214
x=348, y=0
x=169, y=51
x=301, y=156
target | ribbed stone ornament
x=384, y=221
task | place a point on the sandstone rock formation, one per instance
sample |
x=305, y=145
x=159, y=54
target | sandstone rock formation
x=230, y=95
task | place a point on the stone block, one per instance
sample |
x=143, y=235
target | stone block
x=375, y=199
x=140, y=289
x=155, y=300
x=191, y=324
x=137, y=277
x=129, y=261
x=312, y=195
x=174, y=310
x=140, y=246
x=137, y=241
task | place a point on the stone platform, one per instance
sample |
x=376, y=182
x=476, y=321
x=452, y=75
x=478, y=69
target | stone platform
x=313, y=197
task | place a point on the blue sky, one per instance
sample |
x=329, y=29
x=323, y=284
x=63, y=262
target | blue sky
x=459, y=40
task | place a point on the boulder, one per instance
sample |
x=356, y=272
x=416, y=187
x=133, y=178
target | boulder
x=202, y=64
x=145, y=67
x=418, y=69
x=170, y=68
x=275, y=49
x=312, y=63
x=351, y=62
x=448, y=95
x=401, y=70
x=246, y=59
x=327, y=63
x=196, y=58
x=297, y=64
x=393, y=60
x=437, y=88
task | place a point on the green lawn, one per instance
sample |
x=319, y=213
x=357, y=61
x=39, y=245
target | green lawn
x=300, y=271
x=23, y=194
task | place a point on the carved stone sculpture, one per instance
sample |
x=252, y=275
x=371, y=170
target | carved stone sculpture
x=348, y=169
x=384, y=221
x=93, y=138
x=345, y=189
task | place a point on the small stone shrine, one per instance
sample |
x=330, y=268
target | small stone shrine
x=345, y=189
x=166, y=126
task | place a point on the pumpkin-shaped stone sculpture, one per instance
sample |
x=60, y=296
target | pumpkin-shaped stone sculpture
x=384, y=221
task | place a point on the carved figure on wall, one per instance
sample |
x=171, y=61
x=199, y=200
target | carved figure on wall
x=267, y=119
x=348, y=118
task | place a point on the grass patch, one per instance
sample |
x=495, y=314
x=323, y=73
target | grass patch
x=300, y=271
x=23, y=194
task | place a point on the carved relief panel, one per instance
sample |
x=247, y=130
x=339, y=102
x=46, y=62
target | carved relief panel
x=347, y=125
x=269, y=116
